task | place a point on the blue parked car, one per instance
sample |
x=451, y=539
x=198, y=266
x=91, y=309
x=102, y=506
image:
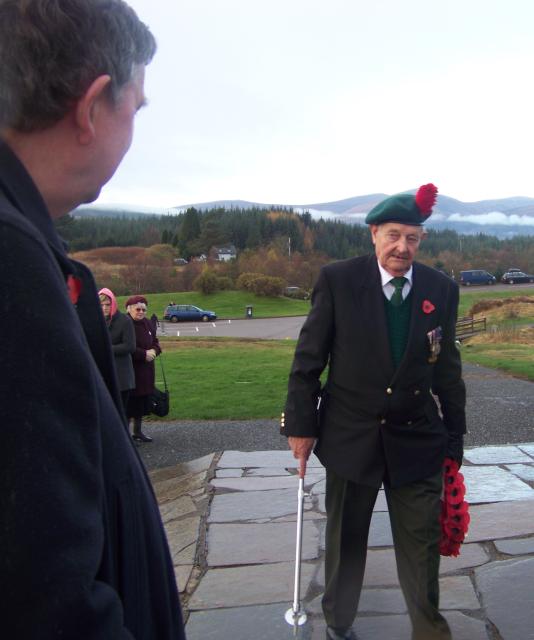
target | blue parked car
x=185, y=312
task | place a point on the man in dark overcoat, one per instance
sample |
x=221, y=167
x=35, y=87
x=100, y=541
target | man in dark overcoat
x=84, y=554
x=391, y=410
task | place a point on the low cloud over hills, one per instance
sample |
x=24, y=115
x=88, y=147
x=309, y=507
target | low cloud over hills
x=503, y=218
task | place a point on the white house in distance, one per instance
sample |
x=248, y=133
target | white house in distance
x=223, y=254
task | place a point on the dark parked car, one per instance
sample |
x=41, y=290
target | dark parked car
x=184, y=312
x=476, y=276
x=515, y=277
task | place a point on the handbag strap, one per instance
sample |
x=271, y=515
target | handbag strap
x=162, y=371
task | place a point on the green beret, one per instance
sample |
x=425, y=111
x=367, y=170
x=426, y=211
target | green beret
x=405, y=208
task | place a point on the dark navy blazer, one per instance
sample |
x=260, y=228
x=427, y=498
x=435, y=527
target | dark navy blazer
x=376, y=422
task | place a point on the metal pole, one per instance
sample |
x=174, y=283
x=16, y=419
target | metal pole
x=296, y=616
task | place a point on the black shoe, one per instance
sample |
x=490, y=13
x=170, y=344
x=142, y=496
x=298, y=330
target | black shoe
x=340, y=634
x=141, y=437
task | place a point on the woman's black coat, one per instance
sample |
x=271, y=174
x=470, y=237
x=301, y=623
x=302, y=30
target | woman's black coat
x=122, y=336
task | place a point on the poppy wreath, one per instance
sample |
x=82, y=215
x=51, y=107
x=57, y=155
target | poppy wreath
x=454, y=518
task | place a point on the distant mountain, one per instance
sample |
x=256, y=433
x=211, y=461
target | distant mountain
x=118, y=211
x=504, y=218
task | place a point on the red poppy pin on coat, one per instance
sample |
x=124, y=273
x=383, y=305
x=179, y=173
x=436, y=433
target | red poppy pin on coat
x=74, y=286
x=428, y=307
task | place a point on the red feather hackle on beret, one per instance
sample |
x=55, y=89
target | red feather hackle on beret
x=425, y=199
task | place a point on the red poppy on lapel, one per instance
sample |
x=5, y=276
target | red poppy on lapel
x=74, y=286
x=428, y=307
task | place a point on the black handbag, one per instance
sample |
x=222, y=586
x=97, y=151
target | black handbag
x=158, y=401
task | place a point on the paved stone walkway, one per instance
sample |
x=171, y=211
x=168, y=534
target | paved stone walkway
x=230, y=519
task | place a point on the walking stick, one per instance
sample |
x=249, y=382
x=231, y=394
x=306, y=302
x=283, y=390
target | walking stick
x=296, y=615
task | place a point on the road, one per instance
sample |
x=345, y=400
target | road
x=266, y=328
x=501, y=287
x=277, y=328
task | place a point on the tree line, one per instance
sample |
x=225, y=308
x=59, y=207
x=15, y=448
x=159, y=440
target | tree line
x=277, y=235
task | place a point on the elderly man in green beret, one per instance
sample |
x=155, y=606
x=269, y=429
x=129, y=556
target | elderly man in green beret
x=385, y=327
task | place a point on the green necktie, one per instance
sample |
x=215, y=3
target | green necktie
x=396, y=298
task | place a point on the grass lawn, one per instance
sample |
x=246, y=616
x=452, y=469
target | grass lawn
x=226, y=379
x=468, y=297
x=226, y=304
x=517, y=359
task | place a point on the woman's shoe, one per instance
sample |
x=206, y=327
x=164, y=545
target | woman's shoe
x=141, y=437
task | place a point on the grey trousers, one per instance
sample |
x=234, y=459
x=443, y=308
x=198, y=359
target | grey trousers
x=414, y=514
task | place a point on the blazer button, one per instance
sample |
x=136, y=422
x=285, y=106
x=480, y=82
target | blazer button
x=416, y=392
x=409, y=422
x=389, y=391
x=383, y=421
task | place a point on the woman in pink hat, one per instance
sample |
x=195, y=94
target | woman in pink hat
x=122, y=336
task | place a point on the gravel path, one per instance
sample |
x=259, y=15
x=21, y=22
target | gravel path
x=500, y=410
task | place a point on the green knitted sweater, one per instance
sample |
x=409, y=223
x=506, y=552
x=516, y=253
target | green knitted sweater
x=398, y=321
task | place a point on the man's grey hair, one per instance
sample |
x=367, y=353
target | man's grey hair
x=52, y=50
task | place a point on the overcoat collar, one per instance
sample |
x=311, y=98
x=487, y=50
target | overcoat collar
x=19, y=188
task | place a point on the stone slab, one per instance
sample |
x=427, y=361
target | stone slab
x=184, y=468
x=268, y=471
x=506, y=591
x=250, y=483
x=382, y=601
x=248, y=459
x=263, y=483
x=319, y=488
x=523, y=471
x=501, y=520
x=259, y=584
x=229, y=473
x=381, y=568
x=471, y=555
x=393, y=627
x=457, y=592
x=307, y=516
x=380, y=504
x=495, y=455
x=465, y=627
x=493, y=484
x=528, y=448
x=182, y=574
x=234, y=544
x=516, y=547
x=244, y=623
x=184, y=556
x=177, y=508
x=253, y=505
x=371, y=601
x=398, y=627
x=173, y=488
x=380, y=530
x=182, y=534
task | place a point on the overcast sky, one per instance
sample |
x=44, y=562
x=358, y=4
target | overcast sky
x=306, y=101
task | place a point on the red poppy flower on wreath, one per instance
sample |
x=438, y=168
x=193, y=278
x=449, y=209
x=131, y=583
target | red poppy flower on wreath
x=428, y=307
x=74, y=286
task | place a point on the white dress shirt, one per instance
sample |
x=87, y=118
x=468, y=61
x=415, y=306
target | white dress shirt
x=388, y=288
